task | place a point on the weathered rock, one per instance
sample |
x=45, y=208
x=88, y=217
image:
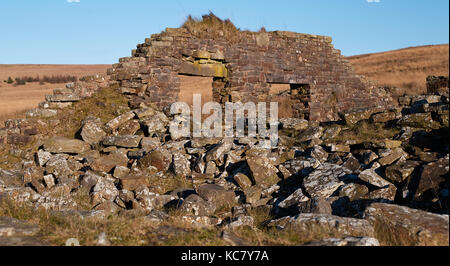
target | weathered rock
x=58, y=166
x=218, y=151
x=195, y=205
x=181, y=165
x=242, y=180
x=159, y=159
x=346, y=242
x=252, y=195
x=383, y=117
x=310, y=133
x=294, y=199
x=128, y=141
x=262, y=170
x=92, y=133
x=42, y=157
x=129, y=128
x=370, y=176
x=353, y=117
x=325, y=180
x=418, y=120
x=217, y=195
x=132, y=182
x=64, y=145
x=202, y=142
x=316, y=224
x=108, y=162
x=155, y=124
x=120, y=120
x=294, y=123
x=331, y=132
x=315, y=205
x=354, y=191
x=392, y=156
x=318, y=153
x=432, y=176
x=398, y=225
x=399, y=172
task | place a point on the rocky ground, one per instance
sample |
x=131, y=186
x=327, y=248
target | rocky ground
x=84, y=165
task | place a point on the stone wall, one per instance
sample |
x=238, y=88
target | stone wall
x=437, y=83
x=323, y=82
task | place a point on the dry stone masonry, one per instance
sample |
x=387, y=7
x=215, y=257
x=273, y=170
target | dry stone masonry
x=322, y=83
x=326, y=180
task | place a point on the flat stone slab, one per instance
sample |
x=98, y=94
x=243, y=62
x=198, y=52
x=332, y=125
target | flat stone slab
x=65, y=145
x=399, y=225
x=62, y=98
x=24, y=241
x=10, y=227
x=320, y=224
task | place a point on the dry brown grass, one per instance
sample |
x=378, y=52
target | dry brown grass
x=211, y=26
x=405, y=68
x=122, y=230
x=14, y=101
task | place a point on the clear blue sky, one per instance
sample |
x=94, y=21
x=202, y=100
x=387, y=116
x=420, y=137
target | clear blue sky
x=101, y=31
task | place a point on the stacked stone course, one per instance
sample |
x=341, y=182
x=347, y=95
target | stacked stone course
x=244, y=70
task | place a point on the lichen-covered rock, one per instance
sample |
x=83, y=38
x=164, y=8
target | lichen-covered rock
x=126, y=141
x=294, y=123
x=219, y=150
x=132, y=181
x=92, y=133
x=120, y=120
x=129, y=128
x=217, y=195
x=399, y=172
x=317, y=224
x=370, y=176
x=108, y=162
x=159, y=159
x=242, y=180
x=42, y=157
x=325, y=180
x=315, y=205
x=150, y=201
x=346, y=242
x=155, y=124
x=353, y=117
x=195, y=205
x=399, y=225
x=310, y=133
x=431, y=178
x=65, y=145
x=353, y=191
x=262, y=170
x=294, y=199
x=418, y=120
x=181, y=165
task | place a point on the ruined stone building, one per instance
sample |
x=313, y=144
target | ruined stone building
x=319, y=82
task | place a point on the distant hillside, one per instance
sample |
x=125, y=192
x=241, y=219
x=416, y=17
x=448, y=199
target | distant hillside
x=405, y=68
